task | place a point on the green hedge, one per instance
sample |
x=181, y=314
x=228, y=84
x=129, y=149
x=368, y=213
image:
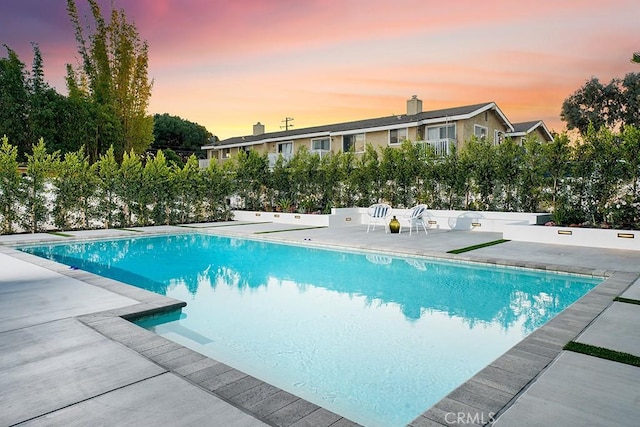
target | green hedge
x=593, y=182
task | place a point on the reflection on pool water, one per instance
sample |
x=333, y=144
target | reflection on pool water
x=373, y=337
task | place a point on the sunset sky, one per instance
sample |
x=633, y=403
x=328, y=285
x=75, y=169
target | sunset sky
x=227, y=64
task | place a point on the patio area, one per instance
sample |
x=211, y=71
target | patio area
x=68, y=356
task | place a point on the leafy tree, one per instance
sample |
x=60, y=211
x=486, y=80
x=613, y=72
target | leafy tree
x=173, y=158
x=346, y=190
x=114, y=66
x=483, y=169
x=389, y=166
x=452, y=174
x=614, y=105
x=508, y=163
x=75, y=188
x=131, y=191
x=531, y=183
x=557, y=156
x=411, y=172
x=365, y=177
x=251, y=173
x=14, y=101
x=157, y=188
x=107, y=170
x=426, y=185
x=10, y=183
x=179, y=134
x=329, y=178
x=628, y=100
x=279, y=184
x=597, y=173
x=186, y=197
x=217, y=186
x=40, y=165
x=630, y=158
x=304, y=169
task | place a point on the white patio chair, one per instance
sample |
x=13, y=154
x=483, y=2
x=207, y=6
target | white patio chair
x=415, y=217
x=378, y=213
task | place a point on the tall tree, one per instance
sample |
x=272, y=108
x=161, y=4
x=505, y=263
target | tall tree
x=106, y=171
x=556, y=166
x=180, y=135
x=113, y=74
x=614, y=105
x=75, y=183
x=14, y=102
x=509, y=158
x=40, y=164
x=10, y=183
x=46, y=107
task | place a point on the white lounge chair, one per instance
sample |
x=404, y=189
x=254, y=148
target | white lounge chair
x=415, y=217
x=378, y=213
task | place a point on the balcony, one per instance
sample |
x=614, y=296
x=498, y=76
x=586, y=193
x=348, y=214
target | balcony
x=273, y=158
x=321, y=153
x=441, y=147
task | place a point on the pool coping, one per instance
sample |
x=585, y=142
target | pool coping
x=486, y=395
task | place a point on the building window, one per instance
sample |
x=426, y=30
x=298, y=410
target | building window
x=480, y=132
x=397, y=136
x=498, y=137
x=286, y=149
x=323, y=144
x=436, y=133
x=353, y=142
x=227, y=153
x=246, y=148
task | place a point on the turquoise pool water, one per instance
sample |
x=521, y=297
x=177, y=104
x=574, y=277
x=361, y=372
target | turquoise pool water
x=375, y=338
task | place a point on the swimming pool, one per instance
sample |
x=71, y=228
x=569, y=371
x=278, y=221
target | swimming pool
x=373, y=337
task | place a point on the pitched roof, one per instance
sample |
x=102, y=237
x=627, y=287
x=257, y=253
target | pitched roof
x=525, y=128
x=425, y=117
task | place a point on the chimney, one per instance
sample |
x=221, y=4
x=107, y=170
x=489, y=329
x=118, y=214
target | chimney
x=414, y=106
x=258, y=129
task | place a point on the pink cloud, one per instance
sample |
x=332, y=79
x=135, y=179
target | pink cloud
x=229, y=64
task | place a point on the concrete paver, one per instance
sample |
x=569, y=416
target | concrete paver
x=633, y=292
x=62, y=363
x=30, y=295
x=619, y=320
x=161, y=400
x=578, y=390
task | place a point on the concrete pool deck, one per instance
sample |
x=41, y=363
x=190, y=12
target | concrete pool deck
x=68, y=356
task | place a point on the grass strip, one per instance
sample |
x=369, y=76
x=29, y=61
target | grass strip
x=603, y=353
x=57, y=233
x=474, y=247
x=288, y=229
x=627, y=300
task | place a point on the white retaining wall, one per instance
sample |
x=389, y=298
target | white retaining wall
x=517, y=226
x=575, y=236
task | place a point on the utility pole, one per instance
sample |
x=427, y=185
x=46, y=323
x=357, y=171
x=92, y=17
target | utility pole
x=287, y=123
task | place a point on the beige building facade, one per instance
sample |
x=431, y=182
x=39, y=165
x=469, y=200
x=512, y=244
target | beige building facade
x=442, y=129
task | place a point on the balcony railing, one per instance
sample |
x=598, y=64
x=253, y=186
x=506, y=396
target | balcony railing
x=441, y=147
x=319, y=152
x=204, y=163
x=273, y=158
